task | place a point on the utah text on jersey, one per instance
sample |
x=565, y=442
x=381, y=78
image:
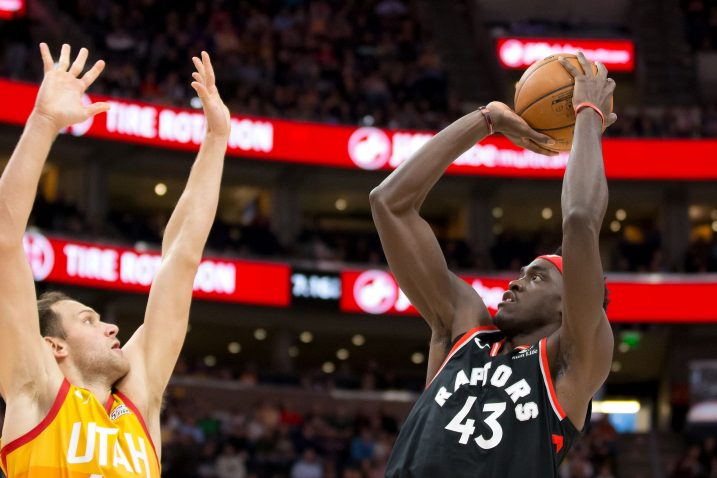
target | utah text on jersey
x=80, y=437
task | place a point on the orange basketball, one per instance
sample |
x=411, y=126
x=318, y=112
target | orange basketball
x=544, y=99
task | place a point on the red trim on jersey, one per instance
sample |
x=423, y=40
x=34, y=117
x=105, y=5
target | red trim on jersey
x=40, y=427
x=496, y=347
x=134, y=409
x=460, y=343
x=110, y=402
x=522, y=347
x=545, y=368
x=558, y=442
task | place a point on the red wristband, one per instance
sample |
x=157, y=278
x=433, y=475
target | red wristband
x=587, y=104
x=489, y=121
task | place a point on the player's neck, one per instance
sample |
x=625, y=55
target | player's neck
x=528, y=338
x=100, y=387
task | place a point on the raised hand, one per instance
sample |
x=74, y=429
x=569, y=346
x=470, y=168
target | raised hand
x=513, y=127
x=215, y=111
x=60, y=97
x=592, y=87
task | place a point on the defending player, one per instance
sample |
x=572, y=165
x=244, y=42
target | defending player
x=78, y=405
x=514, y=390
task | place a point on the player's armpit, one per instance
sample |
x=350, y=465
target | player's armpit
x=579, y=371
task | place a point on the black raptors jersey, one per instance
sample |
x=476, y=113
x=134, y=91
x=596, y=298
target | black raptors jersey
x=485, y=415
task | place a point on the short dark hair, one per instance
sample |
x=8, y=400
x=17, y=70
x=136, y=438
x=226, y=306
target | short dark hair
x=606, y=294
x=50, y=323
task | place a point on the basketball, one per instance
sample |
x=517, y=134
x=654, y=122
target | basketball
x=544, y=99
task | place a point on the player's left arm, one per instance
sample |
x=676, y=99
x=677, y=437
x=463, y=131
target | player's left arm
x=154, y=348
x=584, y=342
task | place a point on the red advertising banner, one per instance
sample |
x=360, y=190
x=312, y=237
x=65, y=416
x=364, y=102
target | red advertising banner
x=109, y=267
x=658, y=300
x=11, y=9
x=520, y=53
x=364, y=147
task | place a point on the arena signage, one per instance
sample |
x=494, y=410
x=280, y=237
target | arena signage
x=110, y=267
x=318, y=286
x=364, y=148
x=520, y=53
x=658, y=299
x=12, y=8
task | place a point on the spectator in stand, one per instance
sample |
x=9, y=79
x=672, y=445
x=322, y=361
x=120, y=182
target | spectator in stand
x=308, y=466
x=230, y=463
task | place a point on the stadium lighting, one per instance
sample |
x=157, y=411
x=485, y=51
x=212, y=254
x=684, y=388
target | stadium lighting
x=210, y=360
x=358, y=340
x=616, y=406
x=547, y=213
x=234, y=347
x=328, y=367
x=160, y=189
x=260, y=334
x=341, y=204
x=342, y=354
x=497, y=212
x=620, y=214
x=418, y=358
x=615, y=226
x=306, y=337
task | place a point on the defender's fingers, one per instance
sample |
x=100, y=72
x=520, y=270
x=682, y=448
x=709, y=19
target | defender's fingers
x=47, y=62
x=64, y=63
x=79, y=63
x=200, y=89
x=611, y=84
x=209, y=69
x=197, y=77
x=93, y=73
x=199, y=66
x=97, y=108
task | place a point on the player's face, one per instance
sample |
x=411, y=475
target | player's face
x=92, y=345
x=533, y=300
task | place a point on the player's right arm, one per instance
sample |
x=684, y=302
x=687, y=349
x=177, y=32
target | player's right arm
x=448, y=304
x=29, y=375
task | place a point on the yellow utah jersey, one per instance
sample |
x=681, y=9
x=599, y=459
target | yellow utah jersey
x=80, y=438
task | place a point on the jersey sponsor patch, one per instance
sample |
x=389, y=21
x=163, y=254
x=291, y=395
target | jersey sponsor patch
x=525, y=353
x=120, y=410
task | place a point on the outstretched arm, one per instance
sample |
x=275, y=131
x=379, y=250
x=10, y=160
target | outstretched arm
x=154, y=348
x=448, y=304
x=585, y=338
x=27, y=367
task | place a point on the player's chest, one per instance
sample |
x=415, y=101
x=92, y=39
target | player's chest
x=480, y=398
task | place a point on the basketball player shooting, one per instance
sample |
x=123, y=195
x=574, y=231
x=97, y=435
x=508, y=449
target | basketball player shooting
x=78, y=404
x=507, y=396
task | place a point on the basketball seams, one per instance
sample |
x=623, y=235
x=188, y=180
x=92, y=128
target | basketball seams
x=570, y=86
x=523, y=81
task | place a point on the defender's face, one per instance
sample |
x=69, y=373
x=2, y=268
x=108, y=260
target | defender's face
x=92, y=345
x=533, y=300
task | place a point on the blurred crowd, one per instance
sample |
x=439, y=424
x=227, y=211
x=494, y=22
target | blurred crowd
x=700, y=23
x=661, y=121
x=595, y=455
x=368, y=376
x=334, y=61
x=698, y=461
x=357, y=62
